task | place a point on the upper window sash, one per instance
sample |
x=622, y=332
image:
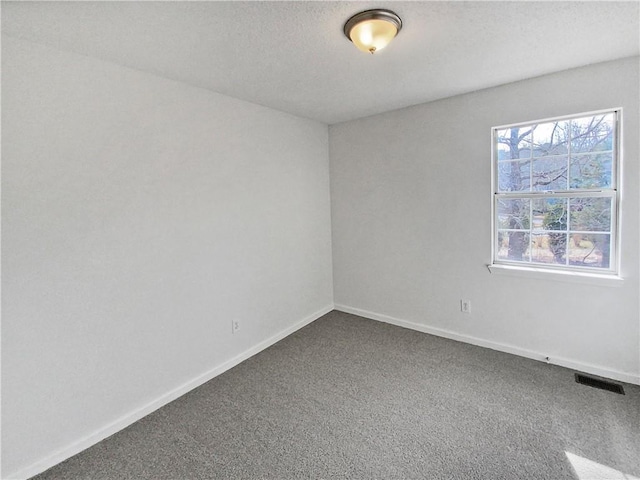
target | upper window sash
x=527, y=162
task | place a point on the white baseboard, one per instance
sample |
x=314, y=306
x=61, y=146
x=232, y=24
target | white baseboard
x=130, y=418
x=501, y=347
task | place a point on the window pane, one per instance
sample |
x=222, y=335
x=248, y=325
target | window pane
x=590, y=250
x=514, y=143
x=592, y=134
x=513, y=176
x=513, y=213
x=513, y=246
x=550, y=173
x=549, y=248
x=590, y=214
x=591, y=171
x=550, y=214
x=551, y=139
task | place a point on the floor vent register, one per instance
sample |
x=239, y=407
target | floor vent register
x=599, y=383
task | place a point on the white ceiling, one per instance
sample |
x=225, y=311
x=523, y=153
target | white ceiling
x=293, y=56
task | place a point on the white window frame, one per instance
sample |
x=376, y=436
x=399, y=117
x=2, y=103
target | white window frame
x=562, y=272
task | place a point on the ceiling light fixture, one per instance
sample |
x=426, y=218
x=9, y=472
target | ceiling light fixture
x=372, y=30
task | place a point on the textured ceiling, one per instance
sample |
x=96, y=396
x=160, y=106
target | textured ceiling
x=293, y=56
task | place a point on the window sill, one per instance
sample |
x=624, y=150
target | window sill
x=562, y=276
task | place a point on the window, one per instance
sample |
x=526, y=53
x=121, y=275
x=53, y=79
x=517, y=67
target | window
x=555, y=189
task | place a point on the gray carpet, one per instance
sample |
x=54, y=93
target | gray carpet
x=347, y=397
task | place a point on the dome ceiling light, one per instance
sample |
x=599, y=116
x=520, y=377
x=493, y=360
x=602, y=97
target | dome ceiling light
x=372, y=30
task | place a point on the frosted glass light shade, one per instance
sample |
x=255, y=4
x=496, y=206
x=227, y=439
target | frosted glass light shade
x=372, y=30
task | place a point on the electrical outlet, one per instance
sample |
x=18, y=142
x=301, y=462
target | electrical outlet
x=465, y=306
x=235, y=326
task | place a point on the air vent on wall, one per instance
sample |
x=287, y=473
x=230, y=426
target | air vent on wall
x=599, y=383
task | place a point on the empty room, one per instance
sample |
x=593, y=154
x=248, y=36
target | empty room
x=291, y=239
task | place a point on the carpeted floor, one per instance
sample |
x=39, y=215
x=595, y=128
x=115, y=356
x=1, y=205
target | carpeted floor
x=347, y=397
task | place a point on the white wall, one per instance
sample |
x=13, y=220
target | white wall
x=411, y=218
x=139, y=216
